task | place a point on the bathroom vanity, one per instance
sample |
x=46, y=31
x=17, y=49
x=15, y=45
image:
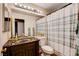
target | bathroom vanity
x=23, y=47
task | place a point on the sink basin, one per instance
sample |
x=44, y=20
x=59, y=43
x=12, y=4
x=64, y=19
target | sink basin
x=21, y=40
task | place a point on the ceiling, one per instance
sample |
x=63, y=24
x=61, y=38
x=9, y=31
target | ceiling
x=46, y=5
x=51, y=6
x=45, y=8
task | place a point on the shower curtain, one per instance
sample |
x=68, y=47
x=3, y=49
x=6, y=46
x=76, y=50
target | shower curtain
x=61, y=30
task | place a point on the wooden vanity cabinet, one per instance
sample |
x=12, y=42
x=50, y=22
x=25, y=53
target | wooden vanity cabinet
x=26, y=49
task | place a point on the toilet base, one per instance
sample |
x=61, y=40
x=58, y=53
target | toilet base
x=42, y=53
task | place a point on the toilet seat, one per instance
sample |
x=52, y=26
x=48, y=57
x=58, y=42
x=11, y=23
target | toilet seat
x=47, y=49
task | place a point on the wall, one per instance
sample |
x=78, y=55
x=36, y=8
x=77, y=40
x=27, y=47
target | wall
x=3, y=36
x=0, y=27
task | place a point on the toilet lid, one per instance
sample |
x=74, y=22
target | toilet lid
x=47, y=49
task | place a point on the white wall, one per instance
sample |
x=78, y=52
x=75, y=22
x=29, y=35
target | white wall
x=3, y=36
x=29, y=22
x=0, y=27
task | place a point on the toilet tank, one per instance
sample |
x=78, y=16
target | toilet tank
x=43, y=40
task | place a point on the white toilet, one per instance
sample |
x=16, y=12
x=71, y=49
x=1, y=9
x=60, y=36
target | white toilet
x=45, y=48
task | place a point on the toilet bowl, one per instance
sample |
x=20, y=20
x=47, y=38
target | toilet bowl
x=47, y=49
x=43, y=44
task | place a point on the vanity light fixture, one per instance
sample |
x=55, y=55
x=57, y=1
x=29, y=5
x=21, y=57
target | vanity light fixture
x=27, y=8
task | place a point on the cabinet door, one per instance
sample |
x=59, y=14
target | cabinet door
x=37, y=48
x=31, y=49
x=18, y=50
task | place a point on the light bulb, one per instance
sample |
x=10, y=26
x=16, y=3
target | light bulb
x=32, y=8
x=38, y=11
x=15, y=4
x=20, y=5
x=24, y=6
x=28, y=7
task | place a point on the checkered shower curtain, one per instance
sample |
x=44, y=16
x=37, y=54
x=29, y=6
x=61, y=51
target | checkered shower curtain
x=61, y=30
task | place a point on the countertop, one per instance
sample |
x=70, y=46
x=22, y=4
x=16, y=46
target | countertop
x=21, y=40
